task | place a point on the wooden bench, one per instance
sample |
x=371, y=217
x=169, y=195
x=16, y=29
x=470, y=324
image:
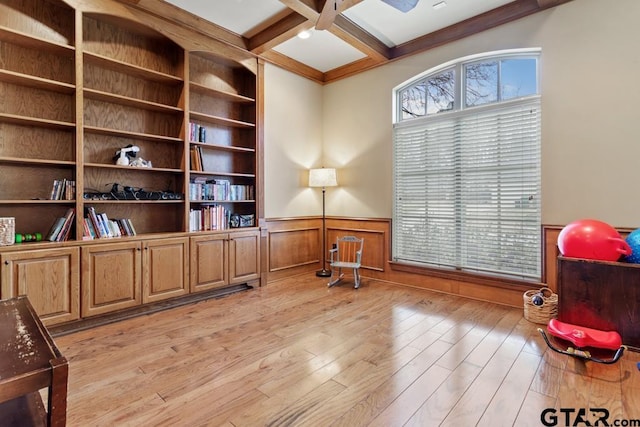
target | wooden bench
x=29, y=362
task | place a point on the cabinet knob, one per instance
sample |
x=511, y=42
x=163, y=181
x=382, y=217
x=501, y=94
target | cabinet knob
x=6, y=262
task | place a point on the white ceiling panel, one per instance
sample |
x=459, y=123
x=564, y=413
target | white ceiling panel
x=393, y=27
x=238, y=16
x=322, y=51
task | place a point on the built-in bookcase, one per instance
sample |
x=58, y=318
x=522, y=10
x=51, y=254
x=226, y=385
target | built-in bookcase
x=74, y=93
x=222, y=109
x=133, y=91
x=37, y=110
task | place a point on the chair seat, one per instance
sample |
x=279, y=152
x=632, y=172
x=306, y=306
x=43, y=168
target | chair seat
x=345, y=264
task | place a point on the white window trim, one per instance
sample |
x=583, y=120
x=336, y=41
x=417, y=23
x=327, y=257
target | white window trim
x=457, y=65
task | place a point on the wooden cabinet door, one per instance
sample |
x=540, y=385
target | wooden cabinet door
x=209, y=262
x=50, y=278
x=165, y=269
x=111, y=277
x=244, y=256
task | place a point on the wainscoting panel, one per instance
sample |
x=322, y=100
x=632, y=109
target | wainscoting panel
x=295, y=248
x=373, y=250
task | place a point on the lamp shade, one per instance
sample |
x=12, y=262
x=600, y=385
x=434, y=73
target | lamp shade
x=324, y=177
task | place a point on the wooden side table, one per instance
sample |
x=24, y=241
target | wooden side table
x=29, y=362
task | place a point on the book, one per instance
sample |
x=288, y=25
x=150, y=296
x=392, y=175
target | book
x=86, y=233
x=55, y=229
x=64, y=233
x=104, y=222
x=92, y=231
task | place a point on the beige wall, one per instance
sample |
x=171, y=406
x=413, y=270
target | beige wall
x=293, y=143
x=590, y=104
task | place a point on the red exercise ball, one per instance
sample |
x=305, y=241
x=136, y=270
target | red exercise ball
x=592, y=239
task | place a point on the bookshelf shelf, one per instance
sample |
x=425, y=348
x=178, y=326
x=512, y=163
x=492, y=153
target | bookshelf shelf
x=34, y=121
x=132, y=135
x=213, y=202
x=131, y=69
x=229, y=174
x=36, y=82
x=210, y=146
x=41, y=162
x=38, y=202
x=220, y=120
x=131, y=102
x=215, y=93
x=132, y=168
x=34, y=42
x=134, y=202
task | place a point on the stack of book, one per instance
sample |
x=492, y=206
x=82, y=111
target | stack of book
x=63, y=189
x=99, y=226
x=61, y=228
x=213, y=217
x=196, y=159
x=197, y=133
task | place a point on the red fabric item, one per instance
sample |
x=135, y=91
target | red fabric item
x=584, y=337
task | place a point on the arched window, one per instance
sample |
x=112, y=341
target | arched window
x=467, y=166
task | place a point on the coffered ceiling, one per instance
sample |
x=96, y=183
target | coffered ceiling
x=364, y=34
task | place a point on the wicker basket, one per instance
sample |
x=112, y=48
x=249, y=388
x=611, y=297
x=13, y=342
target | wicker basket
x=540, y=313
x=7, y=231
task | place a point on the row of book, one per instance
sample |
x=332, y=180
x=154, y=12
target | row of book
x=61, y=228
x=218, y=189
x=213, y=217
x=197, y=133
x=196, y=159
x=99, y=226
x=63, y=189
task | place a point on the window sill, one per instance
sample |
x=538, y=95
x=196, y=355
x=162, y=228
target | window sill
x=462, y=276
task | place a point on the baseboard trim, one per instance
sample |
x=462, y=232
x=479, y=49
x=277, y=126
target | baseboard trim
x=105, y=319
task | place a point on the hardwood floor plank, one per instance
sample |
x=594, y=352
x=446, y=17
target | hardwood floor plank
x=490, y=344
x=506, y=403
x=472, y=404
x=434, y=410
x=574, y=392
x=606, y=394
x=301, y=411
x=532, y=408
x=295, y=353
x=384, y=394
x=401, y=409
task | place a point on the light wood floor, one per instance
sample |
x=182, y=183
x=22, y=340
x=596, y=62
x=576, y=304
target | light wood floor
x=295, y=353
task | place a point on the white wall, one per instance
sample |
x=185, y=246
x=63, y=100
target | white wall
x=590, y=118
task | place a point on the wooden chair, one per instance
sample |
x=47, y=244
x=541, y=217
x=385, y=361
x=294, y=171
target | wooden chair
x=347, y=253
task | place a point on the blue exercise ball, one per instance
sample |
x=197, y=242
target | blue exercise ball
x=633, y=240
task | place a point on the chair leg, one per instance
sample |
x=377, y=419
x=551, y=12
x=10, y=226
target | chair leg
x=333, y=281
x=356, y=276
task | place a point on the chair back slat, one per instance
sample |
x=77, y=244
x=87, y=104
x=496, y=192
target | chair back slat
x=348, y=247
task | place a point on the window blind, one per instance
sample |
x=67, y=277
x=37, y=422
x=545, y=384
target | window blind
x=467, y=190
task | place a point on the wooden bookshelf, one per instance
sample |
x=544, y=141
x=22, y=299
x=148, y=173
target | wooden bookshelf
x=82, y=79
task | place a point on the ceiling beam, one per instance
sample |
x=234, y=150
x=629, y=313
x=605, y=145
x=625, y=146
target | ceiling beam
x=544, y=4
x=279, y=32
x=294, y=66
x=175, y=14
x=359, y=38
x=343, y=28
x=493, y=18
